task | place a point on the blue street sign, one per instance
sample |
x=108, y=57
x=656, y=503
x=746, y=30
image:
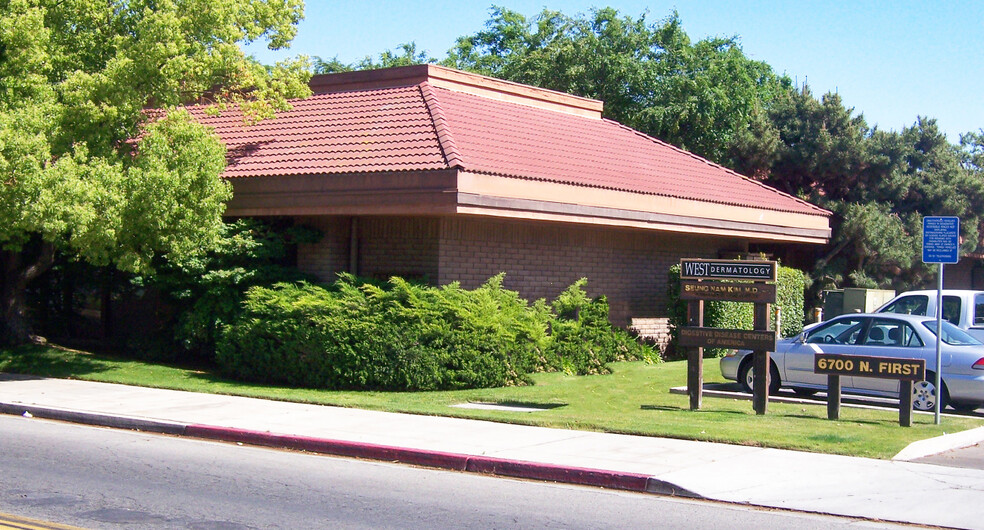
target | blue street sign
x=941, y=239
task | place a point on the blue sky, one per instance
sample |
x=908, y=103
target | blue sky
x=890, y=60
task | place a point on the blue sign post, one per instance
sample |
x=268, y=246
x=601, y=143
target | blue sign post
x=941, y=244
x=941, y=239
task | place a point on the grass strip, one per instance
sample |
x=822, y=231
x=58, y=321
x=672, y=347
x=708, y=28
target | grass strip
x=634, y=399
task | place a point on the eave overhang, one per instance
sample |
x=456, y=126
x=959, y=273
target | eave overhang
x=455, y=192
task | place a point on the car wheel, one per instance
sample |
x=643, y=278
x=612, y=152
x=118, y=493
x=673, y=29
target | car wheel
x=924, y=394
x=746, y=376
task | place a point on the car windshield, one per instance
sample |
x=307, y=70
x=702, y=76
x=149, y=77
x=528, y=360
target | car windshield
x=952, y=334
x=844, y=330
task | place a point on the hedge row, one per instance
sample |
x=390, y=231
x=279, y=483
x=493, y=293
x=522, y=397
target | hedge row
x=403, y=336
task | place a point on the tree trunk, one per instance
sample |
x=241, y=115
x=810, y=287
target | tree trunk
x=18, y=270
x=822, y=262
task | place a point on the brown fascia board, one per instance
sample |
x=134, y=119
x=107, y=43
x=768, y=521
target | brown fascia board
x=534, y=210
x=450, y=192
x=460, y=81
x=396, y=193
x=608, y=206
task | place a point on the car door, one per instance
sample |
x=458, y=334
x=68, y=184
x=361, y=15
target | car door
x=840, y=336
x=887, y=337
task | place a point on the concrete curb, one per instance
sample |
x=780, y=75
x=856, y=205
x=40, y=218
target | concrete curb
x=418, y=457
x=93, y=418
x=452, y=461
x=940, y=444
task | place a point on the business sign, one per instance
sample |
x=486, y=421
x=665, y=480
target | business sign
x=727, y=338
x=729, y=292
x=941, y=239
x=725, y=269
x=868, y=366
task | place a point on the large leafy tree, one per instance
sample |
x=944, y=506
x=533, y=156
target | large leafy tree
x=86, y=168
x=652, y=77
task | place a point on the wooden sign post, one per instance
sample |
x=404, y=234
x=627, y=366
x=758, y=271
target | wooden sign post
x=700, y=281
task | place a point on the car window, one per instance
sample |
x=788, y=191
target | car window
x=952, y=334
x=909, y=305
x=838, y=331
x=979, y=309
x=888, y=332
x=951, y=309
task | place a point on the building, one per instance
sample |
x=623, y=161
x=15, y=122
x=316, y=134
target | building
x=442, y=175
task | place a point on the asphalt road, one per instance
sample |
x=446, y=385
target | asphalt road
x=101, y=478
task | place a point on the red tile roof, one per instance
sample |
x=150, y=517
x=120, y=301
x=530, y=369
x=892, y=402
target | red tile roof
x=424, y=127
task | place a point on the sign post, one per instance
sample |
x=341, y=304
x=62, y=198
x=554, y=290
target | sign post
x=941, y=244
x=699, y=282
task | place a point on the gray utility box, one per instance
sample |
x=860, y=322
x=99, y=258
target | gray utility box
x=854, y=300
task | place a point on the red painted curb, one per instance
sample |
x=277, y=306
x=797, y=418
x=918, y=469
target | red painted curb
x=334, y=447
x=454, y=461
x=556, y=473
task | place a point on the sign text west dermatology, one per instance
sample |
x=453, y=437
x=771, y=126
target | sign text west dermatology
x=707, y=269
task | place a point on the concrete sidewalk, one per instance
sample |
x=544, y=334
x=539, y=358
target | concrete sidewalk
x=858, y=487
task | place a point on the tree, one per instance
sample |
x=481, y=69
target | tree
x=86, y=169
x=879, y=184
x=972, y=148
x=387, y=59
x=206, y=292
x=697, y=96
x=806, y=144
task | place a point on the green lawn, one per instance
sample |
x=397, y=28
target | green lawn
x=635, y=399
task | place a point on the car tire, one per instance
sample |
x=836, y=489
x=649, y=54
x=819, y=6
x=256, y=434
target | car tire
x=924, y=394
x=746, y=375
x=964, y=406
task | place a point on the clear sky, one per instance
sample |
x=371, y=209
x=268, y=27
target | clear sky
x=890, y=60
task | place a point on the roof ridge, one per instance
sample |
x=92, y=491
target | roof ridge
x=444, y=137
x=819, y=210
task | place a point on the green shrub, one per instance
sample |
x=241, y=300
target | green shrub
x=404, y=336
x=584, y=340
x=790, y=293
x=398, y=337
x=790, y=287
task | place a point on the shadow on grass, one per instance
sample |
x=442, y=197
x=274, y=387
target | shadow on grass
x=669, y=408
x=530, y=404
x=851, y=420
x=834, y=438
x=49, y=361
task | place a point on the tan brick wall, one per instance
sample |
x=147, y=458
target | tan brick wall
x=542, y=259
x=655, y=329
x=387, y=246
x=329, y=256
x=399, y=246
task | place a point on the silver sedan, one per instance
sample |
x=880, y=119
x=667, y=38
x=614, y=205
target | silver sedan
x=881, y=335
